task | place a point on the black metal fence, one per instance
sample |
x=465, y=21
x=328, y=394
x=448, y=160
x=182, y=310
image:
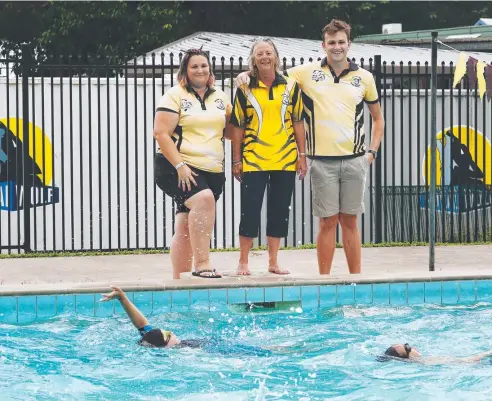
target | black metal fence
x=82, y=176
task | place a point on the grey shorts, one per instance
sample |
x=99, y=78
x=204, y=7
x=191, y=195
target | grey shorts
x=338, y=185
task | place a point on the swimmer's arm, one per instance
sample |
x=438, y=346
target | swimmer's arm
x=137, y=318
x=476, y=357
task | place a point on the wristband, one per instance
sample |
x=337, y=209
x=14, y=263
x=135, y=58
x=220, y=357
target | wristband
x=302, y=154
x=236, y=162
x=177, y=166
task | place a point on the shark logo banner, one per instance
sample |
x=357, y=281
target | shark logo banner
x=39, y=166
x=463, y=170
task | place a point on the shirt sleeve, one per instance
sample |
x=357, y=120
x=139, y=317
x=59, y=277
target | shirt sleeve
x=296, y=102
x=169, y=102
x=238, y=116
x=296, y=73
x=371, y=95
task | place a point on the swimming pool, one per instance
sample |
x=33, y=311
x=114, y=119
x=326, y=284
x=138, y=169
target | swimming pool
x=68, y=347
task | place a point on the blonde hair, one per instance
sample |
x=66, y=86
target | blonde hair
x=183, y=67
x=251, y=59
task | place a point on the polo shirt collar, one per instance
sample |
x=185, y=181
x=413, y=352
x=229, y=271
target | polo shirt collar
x=254, y=82
x=352, y=65
x=209, y=91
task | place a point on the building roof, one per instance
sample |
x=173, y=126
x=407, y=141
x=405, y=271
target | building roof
x=229, y=45
x=484, y=21
x=482, y=31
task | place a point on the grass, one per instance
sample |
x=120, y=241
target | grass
x=50, y=254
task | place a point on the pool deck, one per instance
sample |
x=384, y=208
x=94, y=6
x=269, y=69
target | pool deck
x=89, y=274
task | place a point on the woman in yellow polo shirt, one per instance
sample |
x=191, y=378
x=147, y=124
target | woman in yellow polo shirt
x=268, y=148
x=189, y=165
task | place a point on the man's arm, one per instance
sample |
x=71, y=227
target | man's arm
x=137, y=318
x=377, y=125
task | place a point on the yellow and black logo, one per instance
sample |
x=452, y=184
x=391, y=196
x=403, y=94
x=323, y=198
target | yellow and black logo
x=463, y=169
x=13, y=166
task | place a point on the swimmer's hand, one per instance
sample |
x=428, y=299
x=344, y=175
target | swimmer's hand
x=117, y=293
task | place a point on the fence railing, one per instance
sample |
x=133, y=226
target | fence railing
x=76, y=159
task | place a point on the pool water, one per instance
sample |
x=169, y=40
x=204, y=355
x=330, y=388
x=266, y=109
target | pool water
x=319, y=354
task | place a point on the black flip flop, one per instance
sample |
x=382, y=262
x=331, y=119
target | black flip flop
x=199, y=274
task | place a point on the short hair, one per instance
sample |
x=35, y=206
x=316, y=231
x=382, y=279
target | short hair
x=335, y=26
x=183, y=66
x=251, y=60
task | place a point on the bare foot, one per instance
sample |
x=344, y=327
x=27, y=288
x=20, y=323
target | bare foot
x=277, y=270
x=243, y=270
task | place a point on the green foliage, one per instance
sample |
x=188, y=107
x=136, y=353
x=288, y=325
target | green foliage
x=115, y=31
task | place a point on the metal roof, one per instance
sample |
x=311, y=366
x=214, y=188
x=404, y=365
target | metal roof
x=229, y=45
x=484, y=31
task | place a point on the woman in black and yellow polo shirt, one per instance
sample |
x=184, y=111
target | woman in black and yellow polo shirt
x=268, y=148
x=189, y=166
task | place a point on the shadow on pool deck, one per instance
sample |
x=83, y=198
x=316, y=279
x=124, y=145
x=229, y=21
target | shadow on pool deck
x=95, y=273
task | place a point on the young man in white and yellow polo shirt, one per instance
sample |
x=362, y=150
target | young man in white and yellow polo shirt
x=334, y=91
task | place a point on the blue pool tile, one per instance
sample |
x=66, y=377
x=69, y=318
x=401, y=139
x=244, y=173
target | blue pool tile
x=218, y=297
x=180, y=299
x=255, y=295
x=467, y=291
x=85, y=304
x=200, y=298
x=65, y=304
x=484, y=290
x=310, y=296
x=398, y=294
x=46, y=306
x=433, y=293
x=161, y=302
x=415, y=293
x=450, y=292
x=292, y=293
x=143, y=301
x=105, y=309
x=236, y=296
x=345, y=294
x=27, y=309
x=381, y=294
x=363, y=294
x=8, y=309
x=327, y=296
x=273, y=294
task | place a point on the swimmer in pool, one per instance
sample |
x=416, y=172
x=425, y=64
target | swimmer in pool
x=407, y=353
x=155, y=337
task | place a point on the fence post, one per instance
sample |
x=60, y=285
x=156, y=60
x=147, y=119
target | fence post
x=378, y=205
x=433, y=131
x=26, y=178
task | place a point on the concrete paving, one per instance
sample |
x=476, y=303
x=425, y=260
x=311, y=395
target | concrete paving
x=91, y=273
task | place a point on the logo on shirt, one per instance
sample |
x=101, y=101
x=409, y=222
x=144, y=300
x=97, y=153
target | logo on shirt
x=356, y=81
x=185, y=105
x=318, y=76
x=219, y=104
x=285, y=99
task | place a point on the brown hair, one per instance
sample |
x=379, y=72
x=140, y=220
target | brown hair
x=183, y=67
x=335, y=26
x=251, y=60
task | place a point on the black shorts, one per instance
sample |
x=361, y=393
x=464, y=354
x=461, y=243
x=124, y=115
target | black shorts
x=166, y=178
